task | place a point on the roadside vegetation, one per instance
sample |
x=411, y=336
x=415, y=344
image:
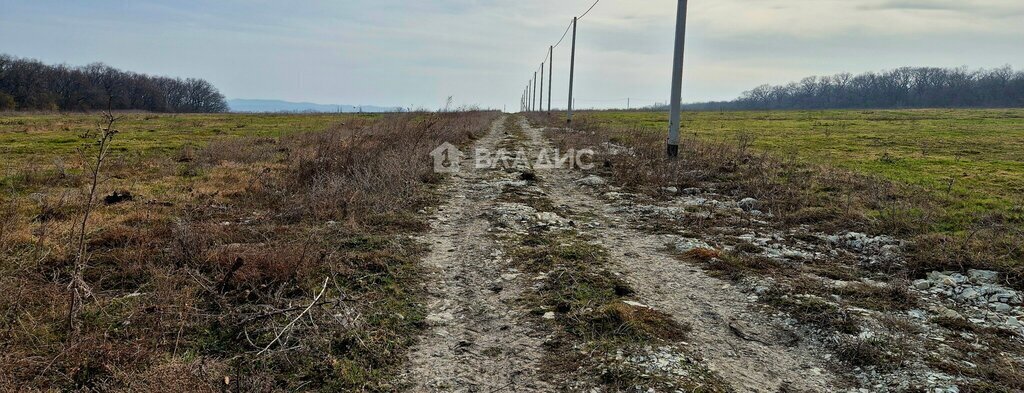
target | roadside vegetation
x=968, y=161
x=860, y=306
x=224, y=252
x=963, y=210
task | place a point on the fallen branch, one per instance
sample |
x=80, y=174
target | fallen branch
x=289, y=325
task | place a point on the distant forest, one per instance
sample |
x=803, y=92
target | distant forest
x=908, y=87
x=27, y=84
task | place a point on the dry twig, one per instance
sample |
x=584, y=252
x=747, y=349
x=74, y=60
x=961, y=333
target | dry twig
x=289, y=325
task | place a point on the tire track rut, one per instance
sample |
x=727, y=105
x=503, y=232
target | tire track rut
x=478, y=338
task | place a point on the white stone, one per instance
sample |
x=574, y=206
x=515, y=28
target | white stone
x=685, y=245
x=635, y=304
x=592, y=180
x=983, y=276
x=922, y=284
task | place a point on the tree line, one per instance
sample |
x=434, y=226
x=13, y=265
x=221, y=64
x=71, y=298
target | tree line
x=27, y=84
x=907, y=87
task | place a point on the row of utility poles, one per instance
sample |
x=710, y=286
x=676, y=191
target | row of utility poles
x=530, y=103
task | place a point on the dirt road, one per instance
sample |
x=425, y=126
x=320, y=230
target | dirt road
x=481, y=337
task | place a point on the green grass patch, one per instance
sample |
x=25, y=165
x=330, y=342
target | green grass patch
x=37, y=137
x=972, y=160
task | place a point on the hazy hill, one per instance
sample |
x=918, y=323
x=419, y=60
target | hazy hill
x=244, y=105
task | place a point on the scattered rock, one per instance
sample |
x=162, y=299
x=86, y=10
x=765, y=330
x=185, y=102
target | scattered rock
x=685, y=245
x=1013, y=323
x=922, y=284
x=985, y=303
x=548, y=218
x=592, y=181
x=940, y=279
x=946, y=312
x=748, y=204
x=872, y=249
x=983, y=276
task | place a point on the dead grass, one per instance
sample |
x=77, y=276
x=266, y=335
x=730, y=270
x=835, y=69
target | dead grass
x=814, y=311
x=220, y=248
x=986, y=372
x=892, y=296
x=875, y=352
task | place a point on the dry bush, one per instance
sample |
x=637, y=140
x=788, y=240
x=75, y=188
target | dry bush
x=991, y=244
x=347, y=174
x=881, y=353
x=174, y=311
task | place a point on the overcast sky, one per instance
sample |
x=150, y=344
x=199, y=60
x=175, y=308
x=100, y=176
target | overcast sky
x=418, y=52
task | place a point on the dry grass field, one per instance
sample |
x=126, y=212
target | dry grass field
x=208, y=237
x=296, y=252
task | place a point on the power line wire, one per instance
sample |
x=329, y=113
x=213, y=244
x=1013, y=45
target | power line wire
x=589, y=9
x=567, y=28
x=549, y=53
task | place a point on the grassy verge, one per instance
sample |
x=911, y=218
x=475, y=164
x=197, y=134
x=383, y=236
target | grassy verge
x=271, y=262
x=970, y=160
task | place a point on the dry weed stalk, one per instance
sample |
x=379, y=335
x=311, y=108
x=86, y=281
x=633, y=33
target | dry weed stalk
x=78, y=288
x=290, y=324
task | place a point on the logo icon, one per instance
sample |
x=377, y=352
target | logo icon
x=447, y=158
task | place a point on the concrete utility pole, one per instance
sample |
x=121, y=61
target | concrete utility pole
x=572, y=70
x=541, y=107
x=551, y=75
x=677, y=82
x=533, y=98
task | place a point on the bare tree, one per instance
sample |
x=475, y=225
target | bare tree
x=32, y=85
x=78, y=288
